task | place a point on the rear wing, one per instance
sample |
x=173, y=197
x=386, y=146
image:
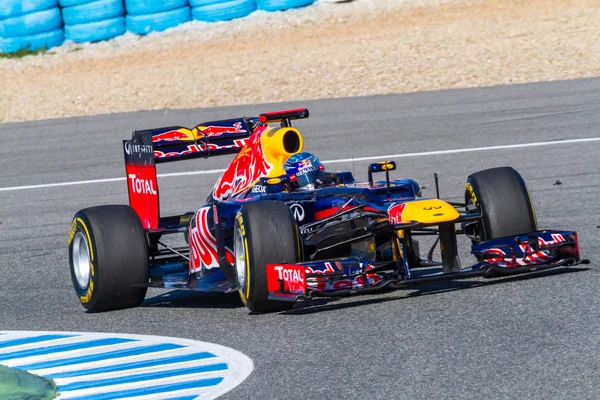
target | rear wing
x=153, y=146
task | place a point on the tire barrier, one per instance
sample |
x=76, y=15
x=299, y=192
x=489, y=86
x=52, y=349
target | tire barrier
x=145, y=7
x=34, y=42
x=35, y=24
x=70, y=3
x=280, y=5
x=158, y=22
x=221, y=10
x=13, y=8
x=93, y=12
x=93, y=21
x=96, y=31
x=30, y=24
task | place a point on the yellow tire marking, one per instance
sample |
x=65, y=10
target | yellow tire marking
x=73, y=231
x=247, y=268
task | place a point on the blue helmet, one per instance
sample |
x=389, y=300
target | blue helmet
x=304, y=170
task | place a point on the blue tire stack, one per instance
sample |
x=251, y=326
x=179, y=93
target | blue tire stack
x=93, y=20
x=145, y=16
x=280, y=5
x=221, y=10
x=30, y=24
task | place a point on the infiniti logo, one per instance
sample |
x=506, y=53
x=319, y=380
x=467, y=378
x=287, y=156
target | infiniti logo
x=298, y=212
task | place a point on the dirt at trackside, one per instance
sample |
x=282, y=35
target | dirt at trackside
x=326, y=50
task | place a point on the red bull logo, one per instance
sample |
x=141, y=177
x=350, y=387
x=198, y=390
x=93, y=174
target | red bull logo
x=213, y=130
x=395, y=213
x=304, y=164
x=172, y=136
x=249, y=165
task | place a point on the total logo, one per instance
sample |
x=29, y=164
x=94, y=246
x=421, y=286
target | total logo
x=295, y=275
x=142, y=186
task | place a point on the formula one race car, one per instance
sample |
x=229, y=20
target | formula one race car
x=277, y=241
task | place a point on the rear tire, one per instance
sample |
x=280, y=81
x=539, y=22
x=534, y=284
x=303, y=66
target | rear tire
x=108, y=254
x=264, y=233
x=504, y=201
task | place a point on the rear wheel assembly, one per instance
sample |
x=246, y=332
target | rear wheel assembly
x=108, y=254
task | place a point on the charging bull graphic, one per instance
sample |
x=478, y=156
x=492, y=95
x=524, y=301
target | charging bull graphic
x=263, y=155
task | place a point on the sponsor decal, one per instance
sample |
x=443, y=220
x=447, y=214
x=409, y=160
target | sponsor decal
x=298, y=212
x=353, y=283
x=172, y=136
x=293, y=277
x=259, y=189
x=137, y=148
x=73, y=231
x=469, y=189
x=274, y=181
x=500, y=258
x=142, y=186
x=200, y=148
x=395, y=213
x=213, y=130
x=556, y=238
x=306, y=170
x=303, y=164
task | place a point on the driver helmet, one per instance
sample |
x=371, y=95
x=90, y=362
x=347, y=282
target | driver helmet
x=304, y=170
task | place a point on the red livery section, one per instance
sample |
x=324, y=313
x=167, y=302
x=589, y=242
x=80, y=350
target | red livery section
x=292, y=277
x=142, y=184
x=395, y=213
x=213, y=130
x=171, y=136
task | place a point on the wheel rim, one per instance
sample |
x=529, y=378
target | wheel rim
x=81, y=260
x=240, y=258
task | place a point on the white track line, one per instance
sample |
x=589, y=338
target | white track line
x=342, y=160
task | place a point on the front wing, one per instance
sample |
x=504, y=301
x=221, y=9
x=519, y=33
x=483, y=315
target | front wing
x=499, y=257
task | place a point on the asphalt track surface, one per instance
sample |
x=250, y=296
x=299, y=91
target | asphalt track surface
x=527, y=337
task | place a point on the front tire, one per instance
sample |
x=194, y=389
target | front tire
x=264, y=233
x=108, y=254
x=504, y=202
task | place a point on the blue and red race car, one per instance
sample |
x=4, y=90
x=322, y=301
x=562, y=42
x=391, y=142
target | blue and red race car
x=277, y=237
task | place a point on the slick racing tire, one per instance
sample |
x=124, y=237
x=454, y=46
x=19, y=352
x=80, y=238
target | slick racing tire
x=502, y=197
x=264, y=233
x=108, y=254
